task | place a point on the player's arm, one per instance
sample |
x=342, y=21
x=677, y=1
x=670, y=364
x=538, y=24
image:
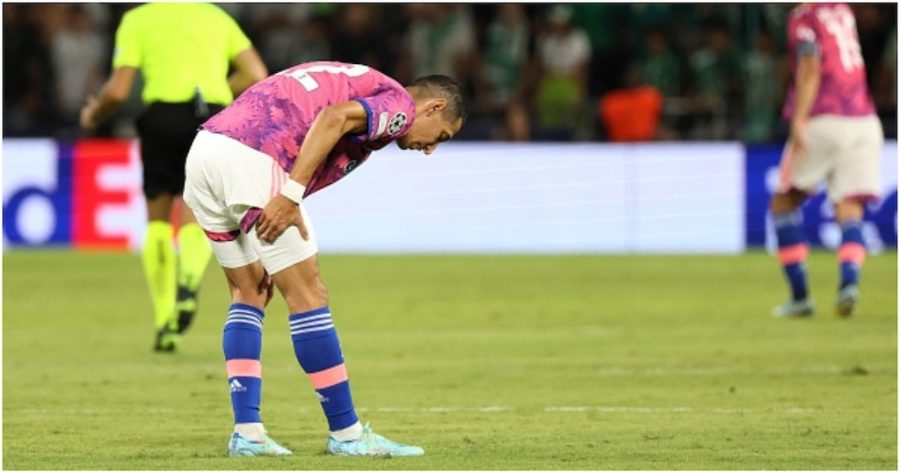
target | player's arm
x=806, y=88
x=113, y=93
x=249, y=69
x=332, y=123
x=806, y=79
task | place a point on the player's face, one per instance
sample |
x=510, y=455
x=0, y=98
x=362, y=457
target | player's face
x=429, y=130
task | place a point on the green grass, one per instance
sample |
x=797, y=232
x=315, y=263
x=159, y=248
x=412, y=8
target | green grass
x=590, y=362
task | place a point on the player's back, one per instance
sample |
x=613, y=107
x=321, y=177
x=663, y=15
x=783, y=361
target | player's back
x=830, y=31
x=313, y=86
x=274, y=115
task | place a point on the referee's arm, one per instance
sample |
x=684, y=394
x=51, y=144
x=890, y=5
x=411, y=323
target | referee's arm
x=113, y=93
x=249, y=69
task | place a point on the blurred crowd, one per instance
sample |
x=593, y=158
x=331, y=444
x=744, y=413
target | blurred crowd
x=609, y=72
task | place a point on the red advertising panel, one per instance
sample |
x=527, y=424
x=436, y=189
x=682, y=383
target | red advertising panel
x=89, y=196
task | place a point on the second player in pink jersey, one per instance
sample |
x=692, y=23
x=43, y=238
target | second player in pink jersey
x=829, y=32
x=249, y=169
x=835, y=137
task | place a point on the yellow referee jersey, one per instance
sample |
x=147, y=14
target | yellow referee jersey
x=179, y=48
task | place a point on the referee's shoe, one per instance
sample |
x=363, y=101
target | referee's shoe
x=186, y=306
x=167, y=340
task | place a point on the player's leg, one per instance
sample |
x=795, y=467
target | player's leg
x=851, y=254
x=193, y=258
x=787, y=219
x=242, y=345
x=294, y=266
x=855, y=181
x=250, y=291
x=800, y=176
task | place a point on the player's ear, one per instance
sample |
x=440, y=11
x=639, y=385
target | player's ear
x=437, y=105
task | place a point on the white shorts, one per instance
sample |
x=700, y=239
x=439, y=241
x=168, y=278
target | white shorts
x=224, y=181
x=845, y=152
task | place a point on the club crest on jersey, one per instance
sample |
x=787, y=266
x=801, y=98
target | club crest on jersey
x=396, y=124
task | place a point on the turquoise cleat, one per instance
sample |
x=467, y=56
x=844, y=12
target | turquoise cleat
x=371, y=444
x=846, y=301
x=794, y=309
x=240, y=446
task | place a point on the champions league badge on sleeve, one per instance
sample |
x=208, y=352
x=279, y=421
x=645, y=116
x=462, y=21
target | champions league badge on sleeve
x=396, y=124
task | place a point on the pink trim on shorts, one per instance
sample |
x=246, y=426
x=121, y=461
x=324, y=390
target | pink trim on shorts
x=852, y=252
x=230, y=235
x=244, y=367
x=250, y=218
x=793, y=254
x=330, y=377
x=861, y=198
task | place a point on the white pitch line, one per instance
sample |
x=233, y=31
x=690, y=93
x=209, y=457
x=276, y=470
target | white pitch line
x=603, y=409
x=444, y=409
x=438, y=409
x=657, y=410
x=642, y=410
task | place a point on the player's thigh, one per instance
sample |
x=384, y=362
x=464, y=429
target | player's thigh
x=231, y=250
x=288, y=249
x=225, y=183
x=856, y=173
x=204, y=189
x=293, y=264
x=805, y=172
x=203, y=192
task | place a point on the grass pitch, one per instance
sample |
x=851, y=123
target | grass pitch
x=488, y=362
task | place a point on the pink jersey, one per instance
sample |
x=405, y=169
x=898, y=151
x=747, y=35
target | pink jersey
x=829, y=31
x=274, y=115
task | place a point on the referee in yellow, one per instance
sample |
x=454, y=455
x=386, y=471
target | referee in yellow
x=184, y=51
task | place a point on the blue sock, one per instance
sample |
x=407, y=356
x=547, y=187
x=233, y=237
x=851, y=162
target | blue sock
x=318, y=350
x=242, y=343
x=792, y=251
x=852, y=252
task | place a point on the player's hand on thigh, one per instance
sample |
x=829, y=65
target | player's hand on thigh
x=279, y=214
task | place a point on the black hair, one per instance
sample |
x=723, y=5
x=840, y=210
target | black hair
x=441, y=86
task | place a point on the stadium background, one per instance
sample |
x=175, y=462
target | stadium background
x=536, y=170
x=530, y=73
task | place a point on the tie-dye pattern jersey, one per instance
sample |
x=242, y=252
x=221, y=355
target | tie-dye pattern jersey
x=274, y=115
x=829, y=31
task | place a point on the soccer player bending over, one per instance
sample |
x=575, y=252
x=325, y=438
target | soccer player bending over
x=836, y=137
x=247, y=172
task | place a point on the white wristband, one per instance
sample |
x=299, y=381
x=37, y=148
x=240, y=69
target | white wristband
x=293, y=190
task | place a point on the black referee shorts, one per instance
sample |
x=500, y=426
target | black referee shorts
x=167, y=131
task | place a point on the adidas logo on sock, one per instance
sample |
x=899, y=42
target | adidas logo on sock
x=321, y=397
x=237, y=387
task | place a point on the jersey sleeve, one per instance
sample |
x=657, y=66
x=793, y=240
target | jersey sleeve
x=803, y=37
x=237, y=41
x=127, y=52
x=390, y=114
